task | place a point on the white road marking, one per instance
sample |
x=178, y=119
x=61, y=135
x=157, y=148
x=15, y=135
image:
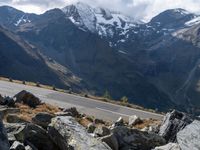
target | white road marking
x=102, y=109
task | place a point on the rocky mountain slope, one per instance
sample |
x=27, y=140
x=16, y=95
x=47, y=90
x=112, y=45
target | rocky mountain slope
x=154, y=64
x=20, y=60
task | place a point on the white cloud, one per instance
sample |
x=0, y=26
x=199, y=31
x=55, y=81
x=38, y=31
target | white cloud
x=142, y=9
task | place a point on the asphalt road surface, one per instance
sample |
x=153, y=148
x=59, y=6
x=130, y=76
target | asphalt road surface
x=98, y=109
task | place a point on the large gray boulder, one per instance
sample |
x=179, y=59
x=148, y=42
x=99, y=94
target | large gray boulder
x=135, y=139
x=76, y=135
x=189, y=137
x=4, y=144
x=169, y=146
x=173, y=122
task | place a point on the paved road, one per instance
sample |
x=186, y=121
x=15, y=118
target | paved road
x=101, y=110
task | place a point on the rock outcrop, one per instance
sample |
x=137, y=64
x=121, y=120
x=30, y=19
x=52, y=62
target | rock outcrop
x=136, y=140
x=173, y=122
x=75, y=135
x=189, y=137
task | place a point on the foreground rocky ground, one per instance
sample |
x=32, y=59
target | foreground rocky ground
x=28, y=124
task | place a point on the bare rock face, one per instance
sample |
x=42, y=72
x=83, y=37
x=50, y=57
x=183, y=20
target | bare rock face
x=189, y=137
x=28, y=99
x=136, y=140
x=4, y=144
x=172, y=124
x=75, y=135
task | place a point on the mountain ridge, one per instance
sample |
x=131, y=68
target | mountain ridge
x=147, y=62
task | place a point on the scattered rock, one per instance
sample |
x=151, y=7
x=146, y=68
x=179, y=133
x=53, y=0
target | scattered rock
x=39, y=138
x=169, y=146
x=4, y=144
x=119, y=122
x=136, y=140
x=101, y=131
x=99, y=121
x=17, y=146
x=111, y=141
x=4, y=111
x=42, y=119
x=73, y=111
x=91, y=127
x=189, y=137
x=28, y=99
x=15, y=132
x=13, y=118
x=8, y=101
x=63, y=114
x=75, y=134
x=133, y=120
x=172, y=124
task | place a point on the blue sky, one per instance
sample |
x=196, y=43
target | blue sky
x=141, y=9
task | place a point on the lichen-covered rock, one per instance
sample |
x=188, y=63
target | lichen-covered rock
x=15, y=131
x=28, y=99
x=169, y=146
x=42, y=119
x=173, y=122
x=76, y=135
x=135, y=139
x=4, y=144
x=91, y=127
x=189, y=137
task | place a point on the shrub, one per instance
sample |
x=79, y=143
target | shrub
x=124, y=99
x=10, y=79
x=107, y=95
x=54, y=88
x=38, y=84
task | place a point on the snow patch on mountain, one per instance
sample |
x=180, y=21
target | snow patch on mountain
x=23, y=19
x=194, y=21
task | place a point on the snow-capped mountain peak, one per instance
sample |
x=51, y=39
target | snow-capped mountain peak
x=99, y=20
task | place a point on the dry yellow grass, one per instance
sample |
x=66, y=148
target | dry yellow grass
x=27, y=113
x=147, y=123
